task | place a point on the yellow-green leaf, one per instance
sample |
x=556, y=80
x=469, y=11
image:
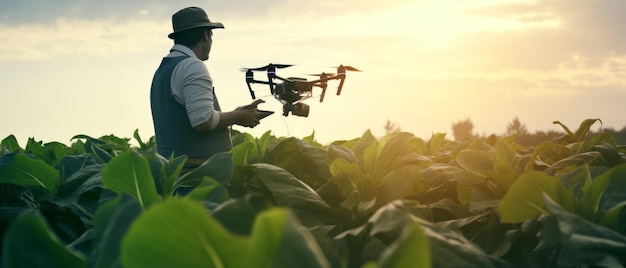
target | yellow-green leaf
x=524, y=199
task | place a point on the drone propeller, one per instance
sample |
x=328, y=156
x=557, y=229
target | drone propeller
x=347, y=68
x=264, y=68
x=322, y=74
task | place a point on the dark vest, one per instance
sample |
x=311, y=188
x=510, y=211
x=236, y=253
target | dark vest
x=173, y=132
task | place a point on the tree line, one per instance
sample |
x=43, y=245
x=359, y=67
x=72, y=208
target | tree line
x=464, y=129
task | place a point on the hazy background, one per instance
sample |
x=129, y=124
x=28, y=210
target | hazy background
x=72, y=67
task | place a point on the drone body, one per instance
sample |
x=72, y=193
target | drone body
x=292, y=91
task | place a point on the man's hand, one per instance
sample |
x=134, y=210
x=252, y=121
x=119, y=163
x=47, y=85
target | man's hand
x=250, y=115
x=252, y=105
x=247, y=116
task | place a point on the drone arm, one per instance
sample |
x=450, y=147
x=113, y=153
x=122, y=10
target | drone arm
x=280, y=78
x=326, y=79
x=260, y=82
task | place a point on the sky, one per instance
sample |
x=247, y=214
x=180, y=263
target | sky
x=72, y=67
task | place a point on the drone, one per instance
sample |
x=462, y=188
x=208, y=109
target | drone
x=292, y=91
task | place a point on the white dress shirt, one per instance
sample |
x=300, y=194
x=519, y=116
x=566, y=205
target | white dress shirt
x=192, y=87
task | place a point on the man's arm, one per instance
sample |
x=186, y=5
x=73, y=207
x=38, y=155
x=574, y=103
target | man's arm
x=199, y=103
x=247, y=116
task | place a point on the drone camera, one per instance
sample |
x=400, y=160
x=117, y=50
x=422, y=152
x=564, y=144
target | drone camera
x=298, y=109
x=301, y=110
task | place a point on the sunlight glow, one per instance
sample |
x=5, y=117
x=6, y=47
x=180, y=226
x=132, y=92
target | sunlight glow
x=440, y=23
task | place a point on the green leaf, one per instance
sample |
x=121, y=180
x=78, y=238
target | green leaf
x=341, y=169
x=359, y=146
x=180, y=233
x=144, y=146
x=574, y=160
x=73, y=163
x=447, y=248
x=389, y=150
x=71, y=193
x=605, y=192
x=76, y=170
x=11, y=145
x=249, y=150
x=436, y=142
x=387, y=219
x=22, y=170
x=470, y=189
x=129, y=173
x=266, y=139
x=610, y=153
x=615, y=218
x=219, y=167
x=98, y=153
x=368, y=163
x=240, y=137
x=585, y=128
x=112, y=221
x=525, y=201
x=211, y=192
x=288, y=191
x=29, y=242
x=311, y=140
x=570, y=134
x=581, y=134
x=419, y=146
x=279, y=240
x=575, y=178
x=399, y=183
x=477, y=162
x=244, y=153
x=51, y=152
x=546, y=154
x=238, y=214
x=306, y=162
x=336, y=151
x=411, y=249
x=484, y=230
x=506, y=162
x=165, y=171
x=583, y=243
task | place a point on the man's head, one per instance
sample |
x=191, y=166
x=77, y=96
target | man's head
x=191, y=18
x=193, y=28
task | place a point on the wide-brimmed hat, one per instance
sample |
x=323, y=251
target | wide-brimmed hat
x=189, y=18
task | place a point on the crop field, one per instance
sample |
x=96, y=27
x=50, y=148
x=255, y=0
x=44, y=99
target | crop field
x=390, y=201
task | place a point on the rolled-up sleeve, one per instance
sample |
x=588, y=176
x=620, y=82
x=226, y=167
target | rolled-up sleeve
x=196, y=93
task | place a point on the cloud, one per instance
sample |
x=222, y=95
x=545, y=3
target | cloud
x=78, y=37
x=44, y=12
x=580, y=27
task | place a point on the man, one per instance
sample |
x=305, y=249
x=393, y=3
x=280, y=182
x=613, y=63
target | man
x=186, y=114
